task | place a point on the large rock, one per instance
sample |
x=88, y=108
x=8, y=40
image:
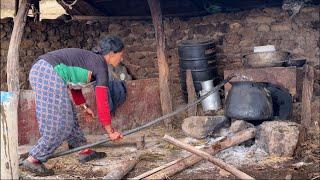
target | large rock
x=278, y=138
x=239, y=125
x=200, y=126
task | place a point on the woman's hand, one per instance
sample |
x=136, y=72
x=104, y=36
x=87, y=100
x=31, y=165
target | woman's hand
x=88, y=115
x=113, y=135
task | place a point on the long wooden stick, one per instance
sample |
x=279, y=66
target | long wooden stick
x=148, y=173
x=191, y=160
x=208, y=157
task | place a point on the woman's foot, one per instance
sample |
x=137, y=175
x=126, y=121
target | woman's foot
x=89, y=155
x=35, y=166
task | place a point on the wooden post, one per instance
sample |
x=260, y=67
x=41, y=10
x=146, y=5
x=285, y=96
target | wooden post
x=192, y=96
x=307, y=93
x=9, y=108
x=9, y=136
x=164, y=83
x=208, y=157
x=13, y=51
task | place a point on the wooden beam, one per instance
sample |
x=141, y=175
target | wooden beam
x=109, y=18
x=164, y=83
x=13, y=51
x=233, y=170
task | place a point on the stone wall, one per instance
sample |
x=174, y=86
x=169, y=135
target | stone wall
x=235, y=34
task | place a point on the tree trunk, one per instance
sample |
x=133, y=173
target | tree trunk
x=164, y=83
x=9, y=136
x=13, y=51
x=191, y=160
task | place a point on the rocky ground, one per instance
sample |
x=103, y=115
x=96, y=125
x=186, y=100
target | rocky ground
x=257, y=163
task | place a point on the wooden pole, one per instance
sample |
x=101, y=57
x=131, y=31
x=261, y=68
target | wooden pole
x=191, y=160
x=9, y=136
x=164, y=83
x=208, y=157
x=13, y=51
x=191, y=93
x=9, y=109
x=307, y=93
x=148, y=173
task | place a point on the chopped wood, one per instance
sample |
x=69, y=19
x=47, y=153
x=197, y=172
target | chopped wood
x=191, y=160
x=120, y=171
x=233, y=170
x=192, y=96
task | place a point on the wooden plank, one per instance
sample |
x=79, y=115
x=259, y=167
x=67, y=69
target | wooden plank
x=191, y=160
x=164, y=83
x=283, y=76
x=13, y=51
x=233, y=170
x=9, y=136
x=192, y=96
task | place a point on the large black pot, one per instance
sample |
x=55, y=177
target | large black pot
x=200, y=64
x=249, y=101
x=281, y=100
x=200, y=74
x=196, y=50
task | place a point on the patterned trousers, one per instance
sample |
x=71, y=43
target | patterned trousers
x=55, y=112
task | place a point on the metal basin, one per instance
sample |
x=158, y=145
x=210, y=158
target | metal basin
x=265, y=59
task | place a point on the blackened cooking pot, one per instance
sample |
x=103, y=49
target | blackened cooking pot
x=248, y=100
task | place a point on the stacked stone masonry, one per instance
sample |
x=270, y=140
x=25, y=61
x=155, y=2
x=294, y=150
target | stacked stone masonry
x=235, y=35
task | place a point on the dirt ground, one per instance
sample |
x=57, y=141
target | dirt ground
x=158, y=152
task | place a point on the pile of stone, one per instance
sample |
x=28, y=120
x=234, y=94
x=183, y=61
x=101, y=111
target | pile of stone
x=277, y=138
